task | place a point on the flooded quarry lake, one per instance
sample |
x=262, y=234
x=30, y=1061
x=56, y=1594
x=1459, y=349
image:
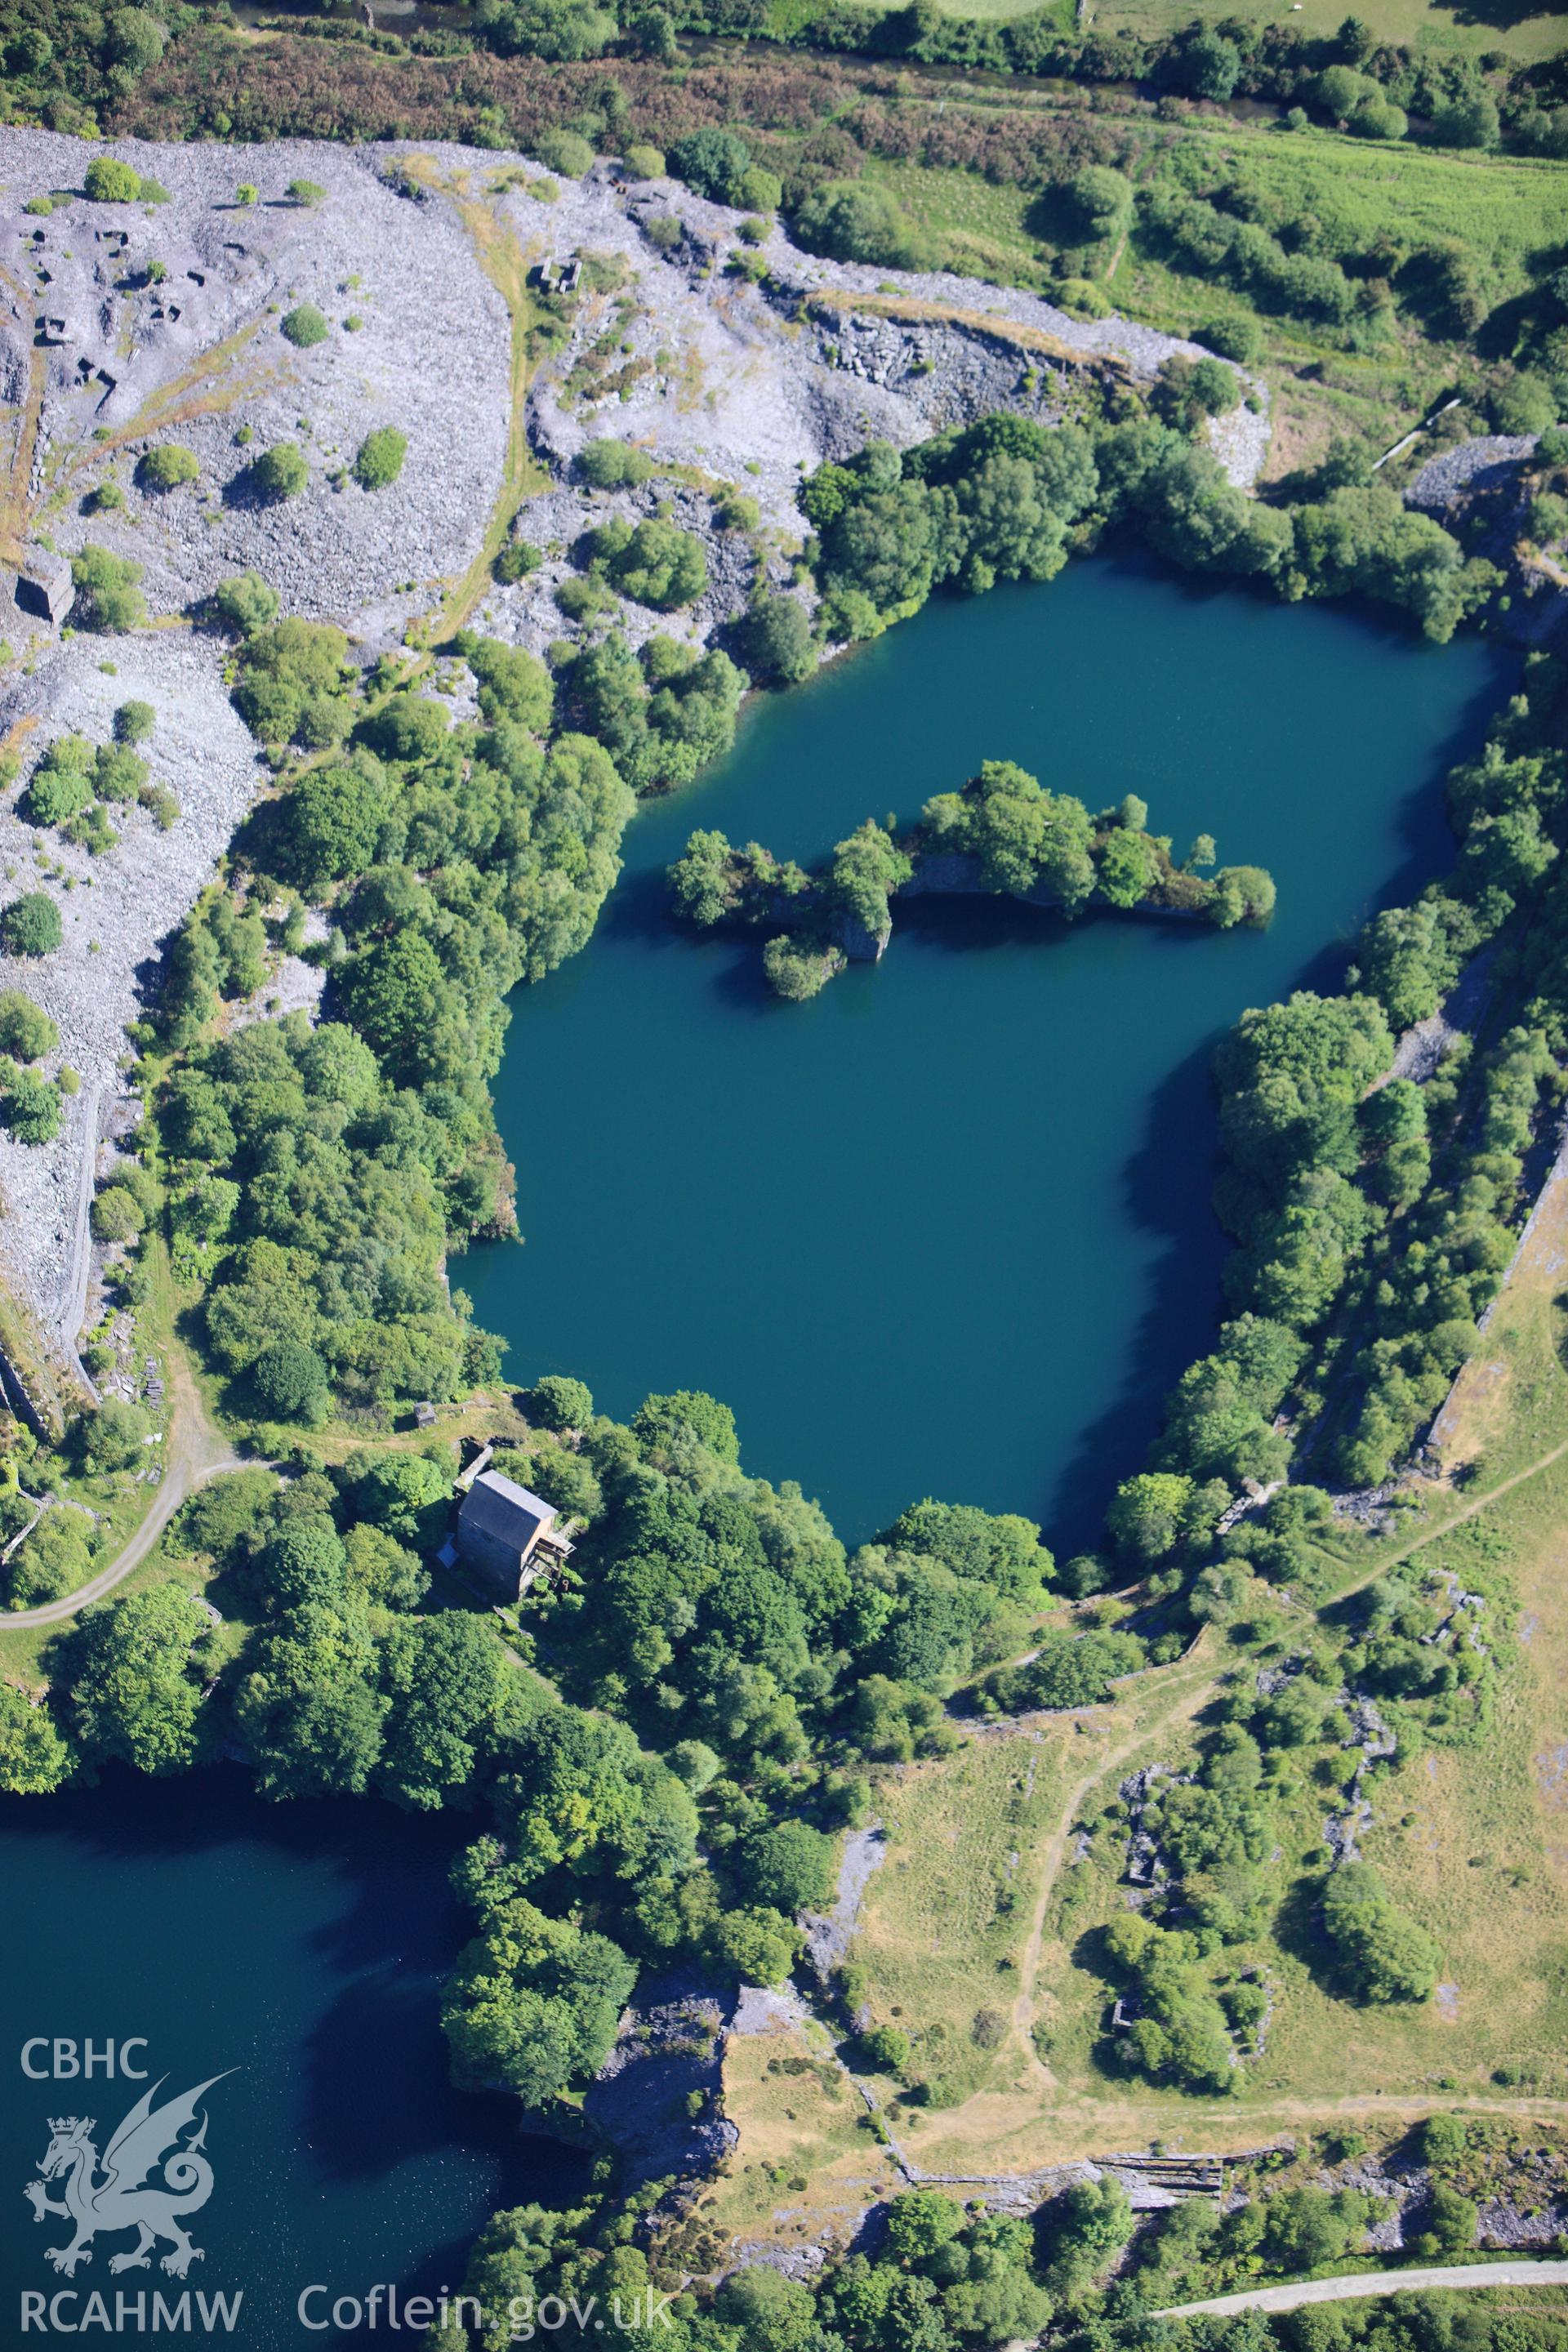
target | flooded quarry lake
x=946, y=1229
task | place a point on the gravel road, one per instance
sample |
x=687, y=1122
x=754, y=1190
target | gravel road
x=194, y=1452
x=1294, y=2292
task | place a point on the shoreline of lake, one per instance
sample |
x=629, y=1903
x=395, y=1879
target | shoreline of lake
x=691, y=1217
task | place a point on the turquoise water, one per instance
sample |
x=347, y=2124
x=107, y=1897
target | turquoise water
x=946, y=1230
x=304, y=1947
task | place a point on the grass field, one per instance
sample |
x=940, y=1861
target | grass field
x=1510, y=214
x=1504, y=208
x=946, y=1916
x=1512, y=1395
x=997, y=11
x=1519, y=1803
x=807, y=2164
x=1472, y=29
x=1490, y=26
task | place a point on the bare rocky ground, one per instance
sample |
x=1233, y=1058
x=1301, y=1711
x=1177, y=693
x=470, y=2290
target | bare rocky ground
x=1489, y=461
x=115, y=908
x=122, y=326
x=430, y=356
x=655, y=2099
x=829, y=1936
x=1531, y=2212
x=1477, y=489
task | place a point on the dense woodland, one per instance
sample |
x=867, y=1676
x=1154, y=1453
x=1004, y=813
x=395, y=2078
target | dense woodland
x=1005, y=499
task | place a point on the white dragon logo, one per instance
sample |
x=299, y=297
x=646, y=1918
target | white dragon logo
x=147, y=2141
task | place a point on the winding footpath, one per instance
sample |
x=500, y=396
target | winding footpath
x=1293, y=2292
x=1191, y=1694
x=194, y=1452
x=1468, y=1511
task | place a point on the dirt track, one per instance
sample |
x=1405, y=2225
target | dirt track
x=194, y=1452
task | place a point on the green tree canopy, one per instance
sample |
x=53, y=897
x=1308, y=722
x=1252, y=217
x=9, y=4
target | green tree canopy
x=308, y=1710
x=535, y=2003
x=108, y=590
x=691, y=1415
x=786, y=1868
x=291, y=1380
x=27, y=1032
x=304, y=326
x=452, y=1695
x=1388, y=1955
x=556, y=1401
x=379, y=459
x=280, y=472
x=34, y=1756
x=134, y=1690
x=853, y=220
